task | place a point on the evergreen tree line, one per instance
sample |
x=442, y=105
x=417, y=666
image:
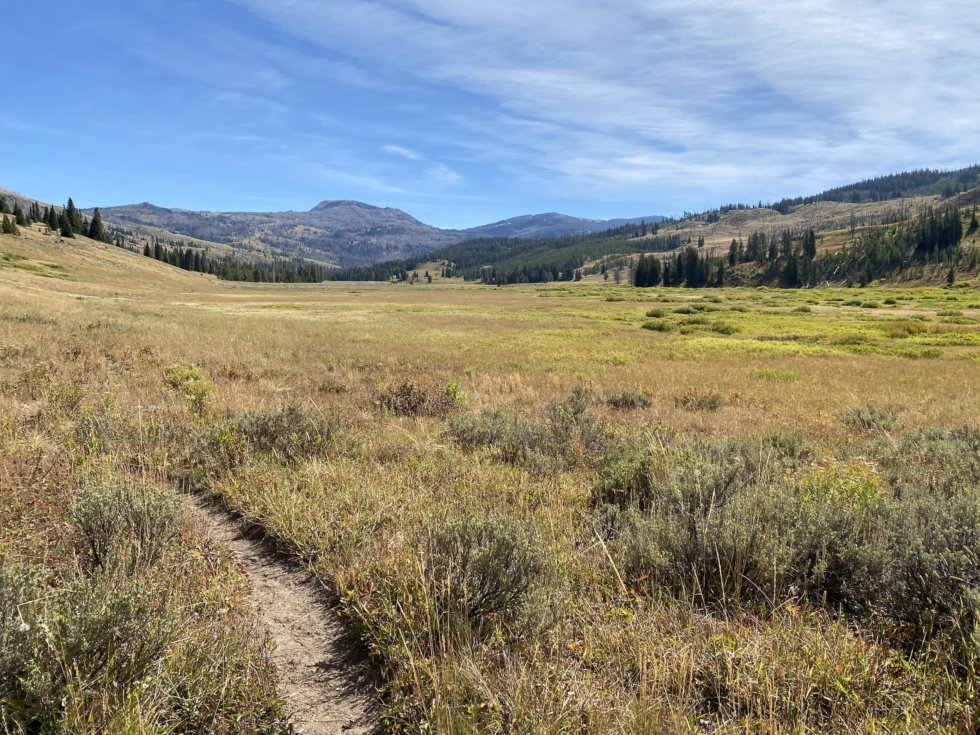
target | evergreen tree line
x=933, y=237
x=230, y=268
x=68, y=222
x=920, y=182
x=689, y=267
x=521, y=260
x=790, y=260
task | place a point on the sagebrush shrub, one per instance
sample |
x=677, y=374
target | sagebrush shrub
x=568, y=435
x=482, y=570
x=760, y=520
x=127, y=526
x=629, y=399
x=872, y=418
x=413, y=399
x=289, y=433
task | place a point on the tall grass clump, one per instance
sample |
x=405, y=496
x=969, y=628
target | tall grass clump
x=765, y=521
x=149, y=632
x=414, y=399
x=567, y=435
x=872, y=418
x=629, y=399
x=483, y=573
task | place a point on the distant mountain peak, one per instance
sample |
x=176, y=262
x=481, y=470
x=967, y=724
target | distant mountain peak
x=343, y=204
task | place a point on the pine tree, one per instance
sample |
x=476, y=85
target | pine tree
x=64, y=223
x=809, y=245
x=3, y=206
x=52, y=219
x=74, y=216
x=8, y=227
x=96, y=230
x=19, y=218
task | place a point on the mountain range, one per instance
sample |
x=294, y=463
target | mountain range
x=343, y=233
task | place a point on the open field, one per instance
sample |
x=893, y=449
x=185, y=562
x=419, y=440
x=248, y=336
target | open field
x=565, y=508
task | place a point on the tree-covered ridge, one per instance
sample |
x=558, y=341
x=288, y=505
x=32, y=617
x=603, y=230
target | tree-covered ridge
x=790, y=260
x=230, y=268
x=518, y=260
x=68, y=222
x=920, y=182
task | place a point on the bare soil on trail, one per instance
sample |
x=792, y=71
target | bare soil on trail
x=315, y=661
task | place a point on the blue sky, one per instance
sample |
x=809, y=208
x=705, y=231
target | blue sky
x=464, y=112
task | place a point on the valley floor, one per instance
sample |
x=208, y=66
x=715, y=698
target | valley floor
x=574, y=508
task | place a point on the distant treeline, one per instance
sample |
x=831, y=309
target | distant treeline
x=790, y=260
x=68, y=222
x=230, y=268
x=522, y=260
x=920, y=182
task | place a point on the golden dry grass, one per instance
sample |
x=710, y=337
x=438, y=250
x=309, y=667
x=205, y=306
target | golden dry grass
x=611, y=660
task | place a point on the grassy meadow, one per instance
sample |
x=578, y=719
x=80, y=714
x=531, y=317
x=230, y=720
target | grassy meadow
x=543, y=509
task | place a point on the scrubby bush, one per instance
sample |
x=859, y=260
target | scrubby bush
x=723, y=328
x=483, y=571
x=944, y=462
x=568, y=435
x=413, y=399
x=125, y=527
x=290, y=433
x=872, y=418
x=190, y=381
x=658, y=326
x=18, y=588
x=700, y=401
x=629, y=399
x=95, y=431
x=762, y=521
x=905, y=328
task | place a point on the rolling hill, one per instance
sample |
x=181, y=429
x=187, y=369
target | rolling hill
x=341, y=233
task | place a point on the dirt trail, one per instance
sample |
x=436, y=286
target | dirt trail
x=313, y=659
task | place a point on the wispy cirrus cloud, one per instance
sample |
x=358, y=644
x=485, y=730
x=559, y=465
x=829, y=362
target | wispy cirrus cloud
x=402, y=151
x=637, y=94
x=464, y=112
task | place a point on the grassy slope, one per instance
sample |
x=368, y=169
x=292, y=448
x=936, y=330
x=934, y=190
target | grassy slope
x=609, y=659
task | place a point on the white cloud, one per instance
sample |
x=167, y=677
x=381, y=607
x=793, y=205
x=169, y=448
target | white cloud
x=780, y=96
x=397, y=150
x=442, y=174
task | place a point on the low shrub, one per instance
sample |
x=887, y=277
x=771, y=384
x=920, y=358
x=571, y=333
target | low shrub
x=290, y=433
x=763, y=522
x=190, y=381
x=629, y=399
x=127, y=527
x=700, y=401
x=483, y=572
x=872, y=418
x=413, y=399
x=568, y=435
x=724, y=328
